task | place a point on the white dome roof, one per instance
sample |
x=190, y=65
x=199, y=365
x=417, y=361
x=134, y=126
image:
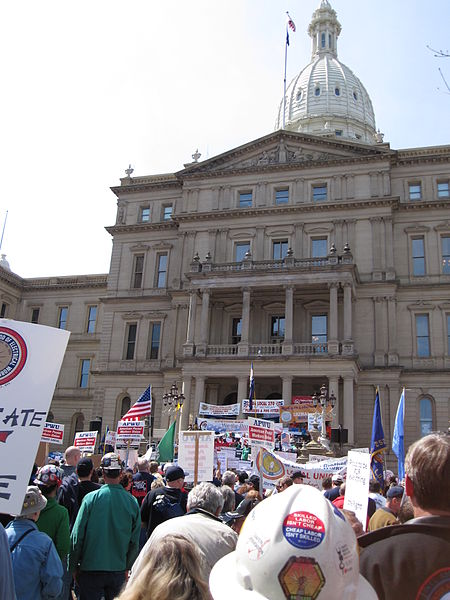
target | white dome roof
x=327, y=98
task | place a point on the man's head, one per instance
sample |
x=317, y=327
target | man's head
x=48, y=479
x=175, y=477
x=243, y=476
x=298, y=476
x=142, y=464
x=229, y=478
x=284, y=483
x=427, y=481
x=207, y=497
x=337, y=480
x=394, y=497
x=327, y=483
x=153, y=467
x=84, y=469
x=72, y=455
x=374, y=487
x=112, y=467
x=33, y=503
x=253, y=481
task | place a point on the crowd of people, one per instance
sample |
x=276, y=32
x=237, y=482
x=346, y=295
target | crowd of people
x=143, y=533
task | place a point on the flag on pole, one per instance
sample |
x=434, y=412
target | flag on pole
x=377, y=444
x=398, y=439
x=290, y=25
x=165, y=446
x=142, y=408
x=251, y=394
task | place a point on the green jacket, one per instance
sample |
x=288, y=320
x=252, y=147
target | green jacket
x=105, y=536
x=54, y=521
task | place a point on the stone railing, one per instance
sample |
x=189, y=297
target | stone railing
x=222, y=350
x=309, y=349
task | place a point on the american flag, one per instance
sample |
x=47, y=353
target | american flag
x=291, y=23
x=141, y=408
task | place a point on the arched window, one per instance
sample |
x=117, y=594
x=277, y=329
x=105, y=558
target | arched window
x=125, y=406
x=426, y=416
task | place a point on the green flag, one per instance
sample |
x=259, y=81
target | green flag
x=165, y=446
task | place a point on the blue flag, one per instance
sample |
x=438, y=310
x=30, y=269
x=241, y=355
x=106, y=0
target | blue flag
x=377, y=444
x=251, y=394
x=398, y=439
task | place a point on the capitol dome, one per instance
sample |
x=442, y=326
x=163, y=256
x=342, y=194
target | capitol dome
x=326, y=97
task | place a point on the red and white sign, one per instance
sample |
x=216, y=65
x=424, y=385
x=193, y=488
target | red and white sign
x=53, y=433
x=262, y=407
x=261, y=433
x=130, y=430
x=85, y=441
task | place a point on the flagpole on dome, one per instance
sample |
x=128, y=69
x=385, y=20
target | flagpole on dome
x=289, y=25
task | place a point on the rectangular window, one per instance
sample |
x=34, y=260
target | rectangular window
x=279, y=249
x=236, y=330
x=319, y=329
x=161, y=274
x=138, y=270
x=418, y=256
x=144, y=215
x=155, y=337
x=35, y=315
x=422, y=335
x=445, y=246
x=277, y=329
x=3, y=310
x=131, y=341
x=85, y=367
x=319, y=247
x=240, y=250
x=320, y=192
x=91, y=320
x=245, y=199
x=415, y=191
x=282, y=196
x=443, y=189
x=167, y=212
x=62, y=317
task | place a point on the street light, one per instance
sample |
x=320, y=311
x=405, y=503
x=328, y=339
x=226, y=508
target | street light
x=324, y=401
x=172, y=400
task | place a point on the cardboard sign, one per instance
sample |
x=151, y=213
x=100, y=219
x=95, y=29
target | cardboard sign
x=53, y=433
x=357, y=484
x=30, y=361
x=262, y=407
x=85, y=441
x=213, y=410
x=196, y=455
x=130, y=430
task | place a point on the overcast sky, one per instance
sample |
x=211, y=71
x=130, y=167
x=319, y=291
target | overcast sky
x=91, y=86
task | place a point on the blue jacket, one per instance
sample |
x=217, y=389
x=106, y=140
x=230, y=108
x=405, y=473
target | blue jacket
x=7, y=589
x=36, y=565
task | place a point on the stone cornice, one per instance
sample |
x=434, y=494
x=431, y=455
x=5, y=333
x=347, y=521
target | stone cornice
x=424, y=205
x=11, y=278
x=140, y=227
x=133, y=185
x=423, y=155
x=75, y=282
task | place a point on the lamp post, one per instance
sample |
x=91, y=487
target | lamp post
x=172, y=400
x=322, y=401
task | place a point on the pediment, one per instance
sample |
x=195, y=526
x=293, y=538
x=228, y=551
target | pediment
x=283, y=149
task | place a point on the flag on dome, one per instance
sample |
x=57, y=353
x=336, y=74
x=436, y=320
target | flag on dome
x=291, y=23
x=142, y=408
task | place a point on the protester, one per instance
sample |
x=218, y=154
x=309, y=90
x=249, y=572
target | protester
x=235, y=519
x=413, y=560
x=86, y=474
x=229, y=478
x=229, y=502
x=201, y=525
x=333, y=493
x=165, y=503
x=283, y=483
x=327, y=484
x=180, y=579
x=339, y=501
x=387, y=515
x=7, y=589
x=354, y=521
x=298, y=477
x=105, y=537
x=375, y=494
x=75, y=486
x=71, y=457
x=406, y=512
x=142, y=480
x=36, y=565
x=292, y=545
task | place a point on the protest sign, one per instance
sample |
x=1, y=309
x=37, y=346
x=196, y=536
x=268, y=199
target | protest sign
x=262, y=407
x=213, y=410
x=285, y=441
x=30, y=361
x=196, y=455
x=357, y=484
x=261, y=432
x=130, y=431
x=110, y=438
x=223, y=426
x=85, y=441
x=53, y=433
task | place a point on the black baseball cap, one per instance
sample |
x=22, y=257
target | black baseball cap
x=84, y=466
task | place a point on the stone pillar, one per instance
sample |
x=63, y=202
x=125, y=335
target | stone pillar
x=287, y=389
x=333, y=386
x=333, y=343
x=297, y=245
x=186, y=408
x=188, y=347
x=377, y=274
x=259, y=244
x=288, y=345
x=347, y=344
x=348, y=412
x=243, y=344
x=380, y=329
x=199, y=394
x=389, y=241
x=242, y=391
x=392, y=332
x=204, y=324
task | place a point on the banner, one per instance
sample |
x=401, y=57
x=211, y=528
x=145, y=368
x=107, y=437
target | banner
x=53, y=433
x=214, y=410
x=30, y=361
x=357, y=484
x=196, y=455
x=85, y=441
x=298, y=413
x=261, y=433
x=262, y=407
x=130, y=430
x=223, y=426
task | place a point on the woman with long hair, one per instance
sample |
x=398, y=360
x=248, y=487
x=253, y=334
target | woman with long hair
x=171, y=571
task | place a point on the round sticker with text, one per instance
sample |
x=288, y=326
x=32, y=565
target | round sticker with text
x=303, y=530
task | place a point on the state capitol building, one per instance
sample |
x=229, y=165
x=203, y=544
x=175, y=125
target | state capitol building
x=317, y=252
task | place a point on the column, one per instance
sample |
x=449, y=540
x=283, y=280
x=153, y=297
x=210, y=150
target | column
x=389, y=240
x=347, y=344
x=348, y=412
x=297, y=245
x=186, y=408
x=287, y=389
x=288, y=346
x=333, y=386
x=243, y=344
x=377, y=274
x=392, y=331
x=188, y=347
x=199, y=394
x=242, y=391
x=380, y=331
x=333, y=344
x=204, y=324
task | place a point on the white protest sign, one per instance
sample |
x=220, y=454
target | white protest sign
x=85, y=441
x=196, y=455
x=110, y=438
x=130, y=430
x=357, y=484
x=223, y=426
x=214, y=410
x=261, y=432
x=30, y=360
x=262, y=407
x=53, y=433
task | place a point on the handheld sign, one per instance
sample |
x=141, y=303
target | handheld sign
x=85, y=441
x=53, y=433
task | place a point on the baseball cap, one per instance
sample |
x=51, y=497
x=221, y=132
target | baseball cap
x=111, y=462
x=295, y=544
x=396, y=491
x=254, y=479
x=84, y=466
x=337, y=479
x=33, y=501
x=48, y=476
x=296, y=474
x=174, y=473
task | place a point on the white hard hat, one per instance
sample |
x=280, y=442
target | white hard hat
x=293, y=545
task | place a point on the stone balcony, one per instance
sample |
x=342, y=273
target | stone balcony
x=231, y=351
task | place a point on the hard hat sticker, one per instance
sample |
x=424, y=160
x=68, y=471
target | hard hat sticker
x=257, y=547
x=302, y=578
x=303, y=530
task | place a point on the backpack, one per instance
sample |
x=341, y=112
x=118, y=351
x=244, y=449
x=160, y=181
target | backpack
x=167, y=508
